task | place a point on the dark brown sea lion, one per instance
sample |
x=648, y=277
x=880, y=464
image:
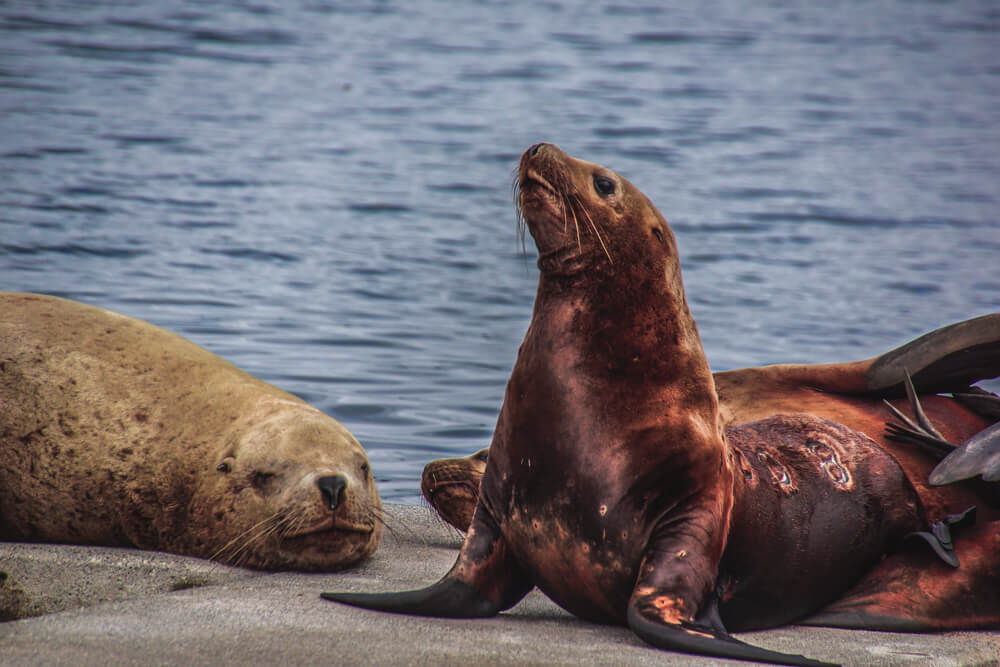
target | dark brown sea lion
x=116, y=432
x=851, y=393
x=610, y=483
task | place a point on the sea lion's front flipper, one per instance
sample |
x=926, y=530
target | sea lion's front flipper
x=448, y=598
x=671, y=582
x=705, y=636
x=484, y=581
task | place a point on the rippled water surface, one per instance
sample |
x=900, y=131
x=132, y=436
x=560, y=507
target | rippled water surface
x=320, y=192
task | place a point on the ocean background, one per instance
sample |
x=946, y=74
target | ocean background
x=320, y=192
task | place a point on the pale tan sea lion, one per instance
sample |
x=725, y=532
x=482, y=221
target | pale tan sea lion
x=116, y=432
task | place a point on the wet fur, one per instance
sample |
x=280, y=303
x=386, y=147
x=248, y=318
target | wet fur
x=612, y=484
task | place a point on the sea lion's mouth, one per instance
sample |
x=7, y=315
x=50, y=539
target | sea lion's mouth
x=329, y=528
x=537, y=191
x=531, y=180
x=541, y=204
x=451, y=487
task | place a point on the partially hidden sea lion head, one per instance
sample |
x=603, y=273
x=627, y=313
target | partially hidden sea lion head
x=451, y=486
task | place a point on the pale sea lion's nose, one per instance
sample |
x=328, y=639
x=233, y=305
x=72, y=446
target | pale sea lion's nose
x=332, y=487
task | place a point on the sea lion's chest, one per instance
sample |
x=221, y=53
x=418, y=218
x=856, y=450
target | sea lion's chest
x=576, y=547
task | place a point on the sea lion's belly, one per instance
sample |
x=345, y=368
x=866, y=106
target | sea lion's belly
x=817, y=505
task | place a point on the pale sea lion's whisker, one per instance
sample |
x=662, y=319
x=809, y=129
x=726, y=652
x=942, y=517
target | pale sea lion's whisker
x=225, y=547
x=398, y=522
x=231, y=552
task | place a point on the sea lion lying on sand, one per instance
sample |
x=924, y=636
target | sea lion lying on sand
x=119, y=433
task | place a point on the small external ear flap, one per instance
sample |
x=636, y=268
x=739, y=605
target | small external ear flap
x=658, y=233
x=226, y=465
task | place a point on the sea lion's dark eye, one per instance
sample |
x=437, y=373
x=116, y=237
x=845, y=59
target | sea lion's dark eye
x=658, y=233
x=224, y=467
x=604, y=186
x=364, y=468
x=482, y=456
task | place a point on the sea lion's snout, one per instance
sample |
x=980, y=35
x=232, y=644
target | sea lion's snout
x=332, y=487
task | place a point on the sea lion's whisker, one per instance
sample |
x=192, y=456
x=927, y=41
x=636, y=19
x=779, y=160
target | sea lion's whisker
x=290, y=525
x=217, y=555
x=576, y=222
x=385, y=514
x=593, y=226
x=239, y=544
x=519, y=221
x=564, y=216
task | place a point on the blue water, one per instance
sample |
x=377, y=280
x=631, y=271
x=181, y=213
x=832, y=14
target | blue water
x=320, y=192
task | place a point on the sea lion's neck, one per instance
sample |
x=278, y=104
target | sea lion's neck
x=622, y=327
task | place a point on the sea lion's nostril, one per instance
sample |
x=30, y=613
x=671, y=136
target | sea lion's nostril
x=332, y=487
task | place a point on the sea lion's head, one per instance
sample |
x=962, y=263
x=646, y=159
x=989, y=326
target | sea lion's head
x=609, y=274
x=588, y=221
x=451, y=486
x=292, y=489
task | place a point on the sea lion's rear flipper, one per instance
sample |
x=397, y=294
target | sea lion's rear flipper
x=914, y=434
x=980, y=401
x=922, y=432
x=979, y=455
x=484, y=581
x=949, y=359
x=938, y=535
x=945, y=359
x=672, y=576
x=913, y=591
